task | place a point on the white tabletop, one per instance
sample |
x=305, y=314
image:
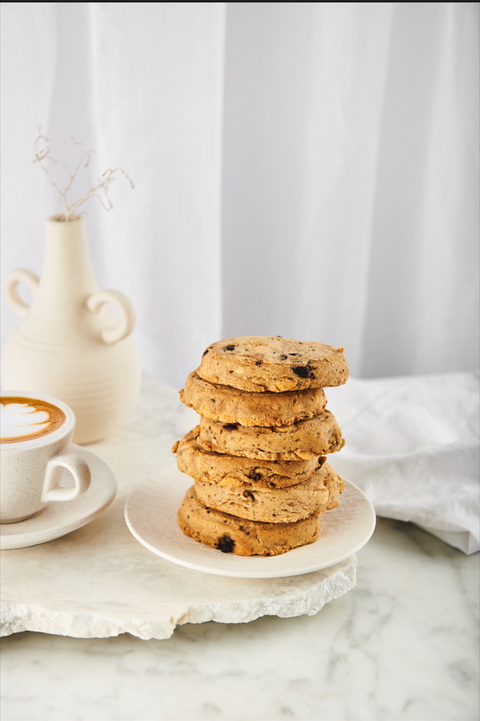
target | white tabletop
x=402, y=644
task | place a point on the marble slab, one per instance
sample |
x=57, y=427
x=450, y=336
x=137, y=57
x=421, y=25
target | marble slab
x=402, y=646
x=98, y=581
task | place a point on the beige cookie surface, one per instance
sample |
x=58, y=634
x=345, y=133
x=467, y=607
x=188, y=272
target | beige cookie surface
x=281, y=505
x=230, y=534
x=267, y=363
x=335, y=485
x=231, y=405
x=312, y=437
x=228, y=470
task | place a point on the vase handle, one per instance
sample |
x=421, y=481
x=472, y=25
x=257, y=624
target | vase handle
x=127, y=313
x=11, y=288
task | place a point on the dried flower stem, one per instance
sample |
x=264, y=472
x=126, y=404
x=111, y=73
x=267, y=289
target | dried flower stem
x=100, y=190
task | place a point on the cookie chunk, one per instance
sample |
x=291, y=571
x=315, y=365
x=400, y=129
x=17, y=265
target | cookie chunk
x=312, y=437
x=231, y=405
x=281, y=505
x=335, y=485
x=266, y=363
x=240, y=536
x=235, y=471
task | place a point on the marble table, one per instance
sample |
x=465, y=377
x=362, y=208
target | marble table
x=402, y=644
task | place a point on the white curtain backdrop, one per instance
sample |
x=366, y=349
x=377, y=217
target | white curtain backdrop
x=306, y=170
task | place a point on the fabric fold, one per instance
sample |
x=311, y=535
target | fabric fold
x=412, y=445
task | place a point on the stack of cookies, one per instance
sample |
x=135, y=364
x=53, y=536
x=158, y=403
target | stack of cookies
x=258, y=455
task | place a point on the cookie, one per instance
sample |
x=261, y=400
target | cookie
x=281, y=505
x=231, y=405
x=235, y=471
x=242, y=537
x=312, y=437
x=266, y=363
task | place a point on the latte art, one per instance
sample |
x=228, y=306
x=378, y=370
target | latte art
x=24, y=419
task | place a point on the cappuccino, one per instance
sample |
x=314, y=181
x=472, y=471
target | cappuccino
x=35, y=451
x=25, y=419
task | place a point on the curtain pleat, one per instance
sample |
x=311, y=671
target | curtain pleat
x=351, y=180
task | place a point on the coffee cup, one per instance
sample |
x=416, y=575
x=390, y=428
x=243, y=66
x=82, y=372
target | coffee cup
x=36, y=435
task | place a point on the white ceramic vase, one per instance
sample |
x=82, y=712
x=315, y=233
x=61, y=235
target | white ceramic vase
x=69, y=344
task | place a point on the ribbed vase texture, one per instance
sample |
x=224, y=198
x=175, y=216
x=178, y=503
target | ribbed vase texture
x=69, y=344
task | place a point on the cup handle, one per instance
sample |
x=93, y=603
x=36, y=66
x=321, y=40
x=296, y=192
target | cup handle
x=127, y=313
x=11, y=288
x=79, y=470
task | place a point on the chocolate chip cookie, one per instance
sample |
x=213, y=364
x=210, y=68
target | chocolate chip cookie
x=231, y=405
x=231, y=534
x=267, y=363
x=280, y=505
x=236, y=471
x=312, y=437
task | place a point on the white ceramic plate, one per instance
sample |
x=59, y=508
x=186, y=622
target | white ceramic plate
x=151, y=516
x=58, y=519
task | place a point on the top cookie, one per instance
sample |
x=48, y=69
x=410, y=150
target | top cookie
x=266, y=363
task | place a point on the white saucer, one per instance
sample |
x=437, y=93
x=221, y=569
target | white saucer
x=58, y=519
x=151, y=516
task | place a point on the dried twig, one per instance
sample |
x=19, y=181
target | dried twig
x=71, y=204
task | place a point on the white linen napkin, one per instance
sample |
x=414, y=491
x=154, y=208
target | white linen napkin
x=412, y=445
